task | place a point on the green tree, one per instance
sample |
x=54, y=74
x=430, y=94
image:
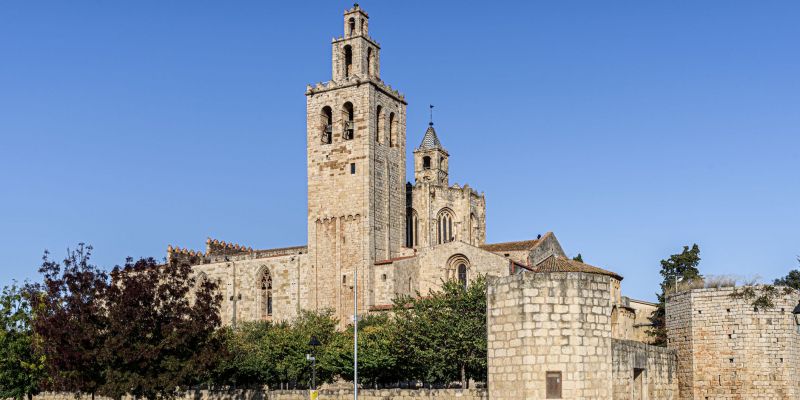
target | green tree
x=441, y=338
x=160, y=327
x=377, y=354
x=21, y=368
x=578, y=258
x=680, y=268
x=70, y=323
x=274, y=354
x=792, y=279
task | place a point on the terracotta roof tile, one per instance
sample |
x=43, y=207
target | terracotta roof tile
x=511, y=246
x=561, y=264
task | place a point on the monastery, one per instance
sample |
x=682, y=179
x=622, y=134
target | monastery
x=557, y=328
x=365, y=220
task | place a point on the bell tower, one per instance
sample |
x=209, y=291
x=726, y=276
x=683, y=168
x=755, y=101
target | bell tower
x=431, y=160
x=356, y=143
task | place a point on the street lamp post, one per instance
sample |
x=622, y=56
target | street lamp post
x=355, y=334
x=314, y=343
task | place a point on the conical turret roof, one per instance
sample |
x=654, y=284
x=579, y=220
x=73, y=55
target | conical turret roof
x=430, y=141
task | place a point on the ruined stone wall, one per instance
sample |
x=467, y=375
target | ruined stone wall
x=643, y=372
x=727, y=349
x=557, y=322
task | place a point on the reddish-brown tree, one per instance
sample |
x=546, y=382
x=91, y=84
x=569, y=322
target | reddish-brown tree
x=70, y=321
x=161, y=324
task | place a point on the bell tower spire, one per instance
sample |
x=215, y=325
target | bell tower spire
x=430, y=158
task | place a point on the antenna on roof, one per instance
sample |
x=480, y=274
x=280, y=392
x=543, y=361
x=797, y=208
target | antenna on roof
x=431, y=123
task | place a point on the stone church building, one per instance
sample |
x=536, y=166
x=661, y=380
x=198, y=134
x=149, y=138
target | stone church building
x=557, y=328
x=366, y=222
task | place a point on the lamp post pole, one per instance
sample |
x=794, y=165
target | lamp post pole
x=355, y=334
x=314, y=343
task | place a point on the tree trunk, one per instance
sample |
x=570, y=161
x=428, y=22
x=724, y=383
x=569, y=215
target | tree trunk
x=463, y=376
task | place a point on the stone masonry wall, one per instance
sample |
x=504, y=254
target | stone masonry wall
x=339, y=394
x=643, y=372
x=384, y=394
x=356, y=185
x=558, y=322
x=727, y=349
x=468, y=207
x=240, y=284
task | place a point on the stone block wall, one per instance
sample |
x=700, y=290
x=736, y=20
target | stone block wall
x=239, y=282
x=642, y=371
x=549, y=322
x=622, y=319
x=428, y=199
x=728, y=349
x=239, y=394
x=325, y=394
x=384, y=394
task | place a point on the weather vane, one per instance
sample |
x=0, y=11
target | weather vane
x=431, y=123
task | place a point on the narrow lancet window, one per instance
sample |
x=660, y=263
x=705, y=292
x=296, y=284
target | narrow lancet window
x=266, y=295
x=348, y=61
x=378, y=117
x=445, y=227
x=349, y=124
x=327, y=125
x=369, y=61
x=392, y=130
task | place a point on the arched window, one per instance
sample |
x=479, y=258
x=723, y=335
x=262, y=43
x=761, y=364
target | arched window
x=392, y=130
x=462, y=275
x=352, y=25
x=458, y=269
x=369, y=61
x=362, y=26
x=349, y=125
x=378, y=120
x=445, y=226
x=327, y=125
x=348, y=60
x=412, y=228
x=266, y=295
x=426, y=162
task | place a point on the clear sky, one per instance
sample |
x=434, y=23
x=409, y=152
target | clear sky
x=628, y=128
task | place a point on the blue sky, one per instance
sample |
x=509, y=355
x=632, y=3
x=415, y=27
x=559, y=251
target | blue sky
x=628, y=128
